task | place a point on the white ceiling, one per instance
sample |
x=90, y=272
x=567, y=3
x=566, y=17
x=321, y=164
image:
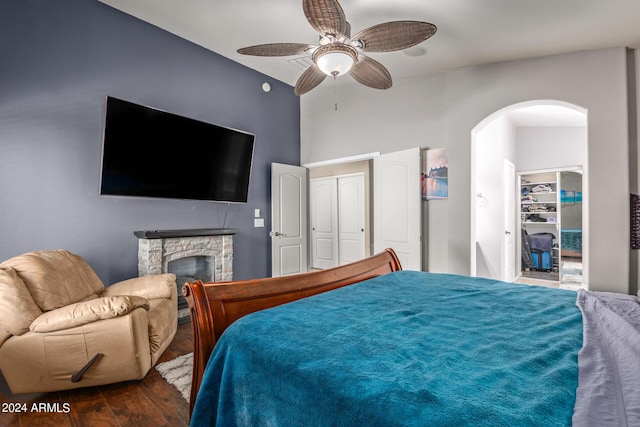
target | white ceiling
x=470, y=32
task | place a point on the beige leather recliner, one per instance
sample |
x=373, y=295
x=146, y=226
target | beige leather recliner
x=56, y=315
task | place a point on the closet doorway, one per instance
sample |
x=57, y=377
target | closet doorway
x=551, y=226
x=339, y=213
x=337, y=220
x=543, y=135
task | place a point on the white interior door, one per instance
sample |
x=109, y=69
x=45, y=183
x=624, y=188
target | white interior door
x=397, y=206
x=324, y=222
x=508, y=247
x=351, y=218
x=288, y=219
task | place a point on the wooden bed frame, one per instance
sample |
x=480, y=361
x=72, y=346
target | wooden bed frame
x=216, y=305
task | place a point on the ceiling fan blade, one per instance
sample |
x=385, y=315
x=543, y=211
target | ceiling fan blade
x=371, y=73
x=326, y=17
x=277, y=49
x=311, y=78
x=394, y=35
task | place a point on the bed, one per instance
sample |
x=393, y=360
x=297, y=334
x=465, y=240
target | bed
x=571, y=242
x=370, y=344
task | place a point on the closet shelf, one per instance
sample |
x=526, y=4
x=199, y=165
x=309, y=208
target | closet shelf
x=533, y=184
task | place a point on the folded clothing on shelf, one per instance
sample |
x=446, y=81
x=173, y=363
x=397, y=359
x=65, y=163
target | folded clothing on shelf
x=538, y=207
x=542, y=188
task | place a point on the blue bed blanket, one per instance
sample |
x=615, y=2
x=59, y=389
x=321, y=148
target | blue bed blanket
x=407, y=348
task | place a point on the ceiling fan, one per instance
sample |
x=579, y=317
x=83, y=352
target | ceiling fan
x=338, y=53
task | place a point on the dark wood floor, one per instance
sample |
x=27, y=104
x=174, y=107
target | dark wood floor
x=149, y=402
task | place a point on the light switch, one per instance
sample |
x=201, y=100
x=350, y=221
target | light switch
x=256, y=213
x=258, y=222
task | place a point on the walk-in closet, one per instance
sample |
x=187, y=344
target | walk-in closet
x=551, y=225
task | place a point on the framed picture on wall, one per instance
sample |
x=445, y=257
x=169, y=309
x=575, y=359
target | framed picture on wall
x=435, y=174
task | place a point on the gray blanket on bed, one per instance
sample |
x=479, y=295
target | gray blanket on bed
x=609, y=377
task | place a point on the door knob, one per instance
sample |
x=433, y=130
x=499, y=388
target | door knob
x=275, y=234
x=507, y=232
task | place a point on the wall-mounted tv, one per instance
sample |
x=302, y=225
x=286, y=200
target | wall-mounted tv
x=151, y=153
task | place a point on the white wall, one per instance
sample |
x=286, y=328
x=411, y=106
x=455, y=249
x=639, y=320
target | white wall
x=550, y=147
x=493, y=144
x=441, y=111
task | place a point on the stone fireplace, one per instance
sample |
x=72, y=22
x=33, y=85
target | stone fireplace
x=197, y=254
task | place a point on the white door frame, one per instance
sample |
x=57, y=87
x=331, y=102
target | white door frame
x=509, y=239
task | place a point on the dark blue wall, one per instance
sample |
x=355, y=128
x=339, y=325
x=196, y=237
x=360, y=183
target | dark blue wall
x=58, y=62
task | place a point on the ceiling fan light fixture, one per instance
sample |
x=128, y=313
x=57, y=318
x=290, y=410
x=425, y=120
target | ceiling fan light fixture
x=335, y=59
x=339, y=53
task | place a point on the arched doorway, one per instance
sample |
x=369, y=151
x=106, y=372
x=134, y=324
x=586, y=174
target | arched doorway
x=527, y=137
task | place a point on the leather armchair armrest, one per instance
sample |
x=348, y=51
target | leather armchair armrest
x=4, y=335
x=150, y=287
x=85, y=312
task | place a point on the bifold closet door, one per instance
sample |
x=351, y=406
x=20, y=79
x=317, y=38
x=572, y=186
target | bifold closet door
x=324, y=222
x=350, y=218
x=337, y=220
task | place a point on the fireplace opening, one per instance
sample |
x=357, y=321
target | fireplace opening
x=190, y=269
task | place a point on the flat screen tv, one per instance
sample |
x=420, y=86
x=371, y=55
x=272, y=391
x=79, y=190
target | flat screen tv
x=151, y=153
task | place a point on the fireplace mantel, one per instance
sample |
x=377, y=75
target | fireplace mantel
x=191, y=232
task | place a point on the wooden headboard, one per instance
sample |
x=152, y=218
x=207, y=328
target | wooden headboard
x=216, y=305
